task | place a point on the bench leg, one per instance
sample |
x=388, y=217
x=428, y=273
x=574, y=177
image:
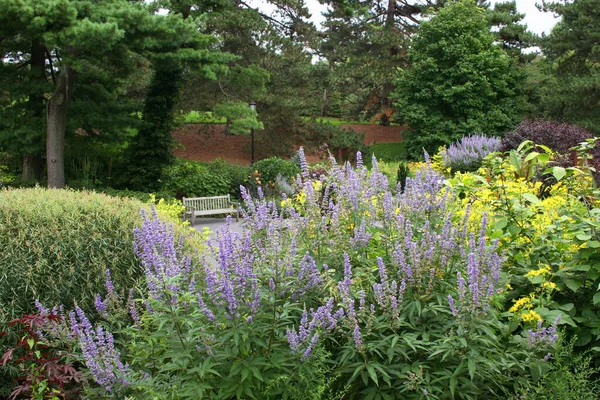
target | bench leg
x=193, y=218
x=237, y=216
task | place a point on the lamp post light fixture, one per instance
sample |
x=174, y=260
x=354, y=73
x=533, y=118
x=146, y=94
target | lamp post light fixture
x=252, y=106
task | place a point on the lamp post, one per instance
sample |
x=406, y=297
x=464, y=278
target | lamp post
x=252, y=106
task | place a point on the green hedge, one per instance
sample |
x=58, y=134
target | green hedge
x=193, y=179
x=57, y=244
x=269, y=168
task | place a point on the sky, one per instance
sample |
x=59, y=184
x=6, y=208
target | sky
x=537, y=22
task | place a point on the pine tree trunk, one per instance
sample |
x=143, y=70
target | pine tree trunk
x=32, y=167
x=324, y=103
x=32, y=162
x=56, y=115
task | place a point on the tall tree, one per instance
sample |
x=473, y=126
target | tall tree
x=573, y=52
x=511, y=32
x=25, y=76
x=460, y=82
x=178, y=46
x=376, y=35
x=273, y=68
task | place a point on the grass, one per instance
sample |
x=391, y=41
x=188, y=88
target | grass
x=202, y=117
x=389, y=151
x=338, y=121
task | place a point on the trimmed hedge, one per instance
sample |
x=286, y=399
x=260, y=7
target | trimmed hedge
x=57, y=244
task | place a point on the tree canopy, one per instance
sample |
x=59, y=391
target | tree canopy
x=460, y=82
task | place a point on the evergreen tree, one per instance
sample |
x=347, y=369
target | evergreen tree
x=511, y=32
x=179, y=46
x=273, y=69
x=375, y=36
x=573, y=54
x=460, y=82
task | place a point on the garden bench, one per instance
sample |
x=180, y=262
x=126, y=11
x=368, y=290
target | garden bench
x=197, y=206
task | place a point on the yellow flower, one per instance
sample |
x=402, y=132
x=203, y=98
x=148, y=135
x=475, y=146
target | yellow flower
x=317, y=185
x=549, y=285
x=374, y=200
x=541, y=271
x=397, y=211
x=519, y=304
x=531, y=316
x=301, y=197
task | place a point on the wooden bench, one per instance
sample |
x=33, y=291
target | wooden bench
x=197, y=206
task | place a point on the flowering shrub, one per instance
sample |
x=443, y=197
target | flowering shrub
x=468, y=153
x=344, y=289
x=551, y=243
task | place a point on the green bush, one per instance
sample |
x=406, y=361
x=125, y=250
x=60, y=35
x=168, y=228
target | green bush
x=144, y=197
x=389, y=151
x=269, y=168
x=57, y=244
x=193, y=179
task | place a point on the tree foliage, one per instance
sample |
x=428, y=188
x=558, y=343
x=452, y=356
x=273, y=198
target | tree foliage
x=460, y=82
x=573, y=52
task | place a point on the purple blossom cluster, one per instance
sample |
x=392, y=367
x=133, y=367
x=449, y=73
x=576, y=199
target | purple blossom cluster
x=166, y=265
x=480, y=281
x=543, y=337
x=303, y=163
x=466, y=154
x=231, y=281
x=387, y=297
x=99, y=353
x=423, y=195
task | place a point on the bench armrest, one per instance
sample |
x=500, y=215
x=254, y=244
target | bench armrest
x=234, y=203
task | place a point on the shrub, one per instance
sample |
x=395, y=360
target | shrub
x=341, y=142
x=459, y=81
x=57, y=244
x=468, y=153
x=269, y=168
x=388, y=296
x=558, y=136
x=193, y=179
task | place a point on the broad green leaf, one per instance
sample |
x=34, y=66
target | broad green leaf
x=559, y=173
x=472, y=366
x=530, y=197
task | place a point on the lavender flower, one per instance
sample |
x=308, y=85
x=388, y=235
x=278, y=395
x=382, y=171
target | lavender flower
x=542, y=336
x=99, y=353
x=467, y=154
x=303, y=163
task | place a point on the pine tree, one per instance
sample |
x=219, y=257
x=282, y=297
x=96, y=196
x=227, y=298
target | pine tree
x=573, y=52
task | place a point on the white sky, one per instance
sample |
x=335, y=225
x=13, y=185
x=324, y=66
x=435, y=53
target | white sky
x=537, y=21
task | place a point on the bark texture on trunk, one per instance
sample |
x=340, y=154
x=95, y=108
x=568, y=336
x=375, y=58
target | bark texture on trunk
x=32, y=167
x=324, y=103
x=56, y=114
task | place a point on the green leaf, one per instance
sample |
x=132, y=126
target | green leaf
x=573, y=284
x=514, y=230
x=543, y=158
x=559, y=173
x=373, y=374
x=583, y=236
x=532, y=198
x=472, y=367
x=596, y=298
x=531, y=156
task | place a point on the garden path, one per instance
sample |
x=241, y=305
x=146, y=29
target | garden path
x=215, y=223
